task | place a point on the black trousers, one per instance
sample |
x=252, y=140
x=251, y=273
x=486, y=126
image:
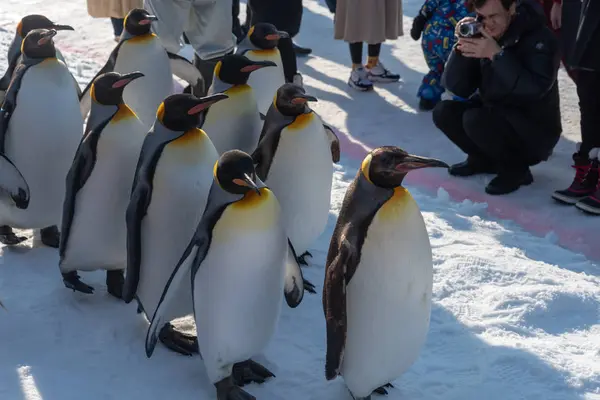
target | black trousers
x=483, y=134
x=588, y=90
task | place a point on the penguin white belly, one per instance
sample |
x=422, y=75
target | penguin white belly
x=266, y=81
x=234, y=123
x=300, y=176
x=388, y=300
x=98, y=235
x=238, y=289
x=146, y=55
x=43, y=135
x=180, y=189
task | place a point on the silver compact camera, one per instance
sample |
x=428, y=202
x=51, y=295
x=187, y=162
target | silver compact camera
x=469, y=29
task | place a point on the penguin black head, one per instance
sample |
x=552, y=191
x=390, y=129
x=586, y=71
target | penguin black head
x=235, y=69
x=234, y=172
x=181, y=112
x=36, y=21
x=387, y=166
x=39, y=44
x=107, y=88
x=291, y=100
x=138, y=22
x=265, y=36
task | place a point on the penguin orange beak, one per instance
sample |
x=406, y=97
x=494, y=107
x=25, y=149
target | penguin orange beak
x=62, y=27
x=148, y=20
x=277, y=36
x=205, y=102
x=303, y=99
x=47, y=37
x=411, y=162
x=258, y=65
x=126, y=79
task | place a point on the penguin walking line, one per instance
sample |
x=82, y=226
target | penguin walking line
x=40, y=129
x=378, y=276
x=294, y=158
x=241, y=262
x=170, y=188
x=260, y=44
x=141, y=50
x=26, y=25
x=235, y=123
x=94, y=234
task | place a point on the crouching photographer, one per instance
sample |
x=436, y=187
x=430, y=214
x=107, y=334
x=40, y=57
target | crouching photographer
x=505, y=63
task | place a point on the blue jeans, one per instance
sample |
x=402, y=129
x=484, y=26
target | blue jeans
x=117, y=24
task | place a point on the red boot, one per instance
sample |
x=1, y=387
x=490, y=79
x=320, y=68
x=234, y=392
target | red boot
x=585, y=182
x=591, y=203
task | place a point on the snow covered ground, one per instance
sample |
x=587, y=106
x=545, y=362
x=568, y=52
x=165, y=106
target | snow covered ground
x=515, y=316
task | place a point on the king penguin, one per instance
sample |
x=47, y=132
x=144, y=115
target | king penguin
x=234, y=123
x=170, y=188
x=295, y=159
x=94, y=233
x=378, y=276
x=241, y=264
x=260, y=44
x=26, y=25
x=141, y=50
x=40, y=129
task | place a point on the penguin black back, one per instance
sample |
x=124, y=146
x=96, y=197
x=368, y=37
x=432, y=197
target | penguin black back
x=138, y=22
x=108, y=88
x=39, y=44
x=37, y=21
x=234, y=172
x=235, y=69
x=265, y=36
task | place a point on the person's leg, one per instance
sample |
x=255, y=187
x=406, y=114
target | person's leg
x=358, y=77
x=117, y=24
x=448, y=117
x=172, y=17
x=236, y=27
x=588, y=85
x=288, y=58
x=377, y=72
x=495, y=137
x=430, y=91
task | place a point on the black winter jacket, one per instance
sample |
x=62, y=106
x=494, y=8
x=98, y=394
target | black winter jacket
x=286, y=15
x=582, y=36
x=520, y=83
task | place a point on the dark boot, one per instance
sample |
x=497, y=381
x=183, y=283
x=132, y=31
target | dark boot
x=509, y=181
x=50, y=236
x=472, y=166
x=591, y=203
x=302, y=51
x=426, y=104
x=585, y=181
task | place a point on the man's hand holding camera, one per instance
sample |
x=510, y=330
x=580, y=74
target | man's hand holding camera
x=475, y=43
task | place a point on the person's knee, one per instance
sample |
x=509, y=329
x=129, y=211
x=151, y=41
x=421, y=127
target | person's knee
x=475, y=122
x=444, y=114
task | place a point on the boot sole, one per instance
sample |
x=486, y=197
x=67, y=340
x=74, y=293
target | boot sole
x=588, y=209
x=561, y=198
x=359, y=88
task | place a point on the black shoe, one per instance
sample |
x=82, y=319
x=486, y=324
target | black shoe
x=508, y=182
x=302, y=51
x=426, y=104
x=471, y=167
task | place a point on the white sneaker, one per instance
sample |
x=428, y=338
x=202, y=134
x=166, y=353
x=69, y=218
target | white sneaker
x=359, y=80
x=381, y=74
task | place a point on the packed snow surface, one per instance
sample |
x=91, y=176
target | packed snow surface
x=514, y=315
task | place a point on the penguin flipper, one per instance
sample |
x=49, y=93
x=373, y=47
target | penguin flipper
x=334, y=142
x=171, y=288
x=294, y=281
x=182, y=68
x=13, y=183
x=81, y=169
x=85, y=101
x=9, y=102
x=265, y=151
x=334, y=305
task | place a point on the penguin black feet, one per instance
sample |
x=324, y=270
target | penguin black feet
x=72, y=281
x=227, y=390
x=382, y=391
x=50, y=236
x=114, y=282
x=302, y=258
x=177, y=341
x=8, y=237
x=309, y=287
x=249, y=371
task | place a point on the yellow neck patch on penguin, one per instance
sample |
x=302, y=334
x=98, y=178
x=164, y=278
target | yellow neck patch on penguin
x=122, y=114
x=365, y=167
x=217, y=71
x=189, y=138
x=142, y=38
x=160, y=113
x=393, y=209
x=265, y=52
x=93, y=93
x=301, y=121
x=238, y=89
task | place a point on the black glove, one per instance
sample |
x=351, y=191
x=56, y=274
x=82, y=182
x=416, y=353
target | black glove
x=418, y=26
